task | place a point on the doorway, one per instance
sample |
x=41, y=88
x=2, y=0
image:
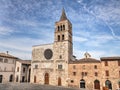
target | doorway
x=46, y=78
x=59, y=81
x=1, y=77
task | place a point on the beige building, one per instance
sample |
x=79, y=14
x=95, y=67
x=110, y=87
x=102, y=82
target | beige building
x=22, y=71
x=93, y=74
x=7, y=67
x=50, y=61
x=84, y=72
x=110, y=72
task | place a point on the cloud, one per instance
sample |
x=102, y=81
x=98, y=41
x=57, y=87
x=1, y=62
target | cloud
x=94, y=53
x=5, y=30
x=79, y=39
x=106, y=12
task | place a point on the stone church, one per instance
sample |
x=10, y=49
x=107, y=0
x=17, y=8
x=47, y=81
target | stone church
x=50, y=61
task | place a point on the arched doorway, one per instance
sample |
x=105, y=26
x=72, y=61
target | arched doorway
x=34, y=79
x=46, y=78
x=1, y=77
x=97, y=85
x=82, y=83
x=11, y=78
x=59, y=81
x=108, y=84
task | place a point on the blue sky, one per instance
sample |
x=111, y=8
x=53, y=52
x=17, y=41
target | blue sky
x=25, y=23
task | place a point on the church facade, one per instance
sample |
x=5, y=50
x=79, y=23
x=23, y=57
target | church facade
x=54, y=64
x=50, y=61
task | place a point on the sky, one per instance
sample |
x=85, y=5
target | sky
x=25, y=23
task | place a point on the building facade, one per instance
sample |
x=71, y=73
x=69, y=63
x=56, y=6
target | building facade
x=22, y=71
x=13, y=69
x=7, y=67
x=50, y=62
x=93, y=74
x=85, y=73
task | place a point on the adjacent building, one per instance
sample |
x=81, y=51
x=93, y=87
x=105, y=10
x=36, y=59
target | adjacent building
x=110, y=72
x=85, y=73
x=7, y=67
x=22, y=71
x=13, y=69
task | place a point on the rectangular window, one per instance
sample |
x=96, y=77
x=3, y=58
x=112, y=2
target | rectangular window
x=82, y=73
x=1, y=59
x=95, y=67
x=62, y=37
x=24, y=70
x=58, y=37
x=17, y=69
x=74, y=73
x=85, y=73
x=96, y=74
x=36, y=66
x=106, y=63
x=5, y=60
x=118, y=63
x=72, y=81
x=107, y=73
x=59, y=66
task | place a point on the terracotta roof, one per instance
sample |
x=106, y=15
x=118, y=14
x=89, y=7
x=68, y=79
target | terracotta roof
x=63, y=16
x=86, y=60
x=110, y=58
x=7, y=55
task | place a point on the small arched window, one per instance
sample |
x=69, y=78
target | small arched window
x=63, y=27
x=58, y=28
x=17, y=69
x=58, y=37
x=62, y=37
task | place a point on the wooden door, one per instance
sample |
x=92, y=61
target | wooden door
x=34, y=79
x=46, y=78
x=59, y=81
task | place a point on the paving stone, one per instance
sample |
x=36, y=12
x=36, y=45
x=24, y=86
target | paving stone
x=28, y=86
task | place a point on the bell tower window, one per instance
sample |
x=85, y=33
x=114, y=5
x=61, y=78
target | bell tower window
x=58, y=28
x=58, y=37
x=62, y=37
x=63, y=27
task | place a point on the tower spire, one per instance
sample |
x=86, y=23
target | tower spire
x=63, y=16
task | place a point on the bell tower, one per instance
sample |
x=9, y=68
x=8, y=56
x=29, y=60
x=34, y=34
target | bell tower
x=63, y=29
x=63, y=47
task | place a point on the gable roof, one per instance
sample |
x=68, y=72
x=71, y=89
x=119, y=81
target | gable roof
x=7, y=56
x=86, y=60
x=110, y=58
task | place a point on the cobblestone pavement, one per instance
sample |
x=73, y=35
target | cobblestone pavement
x=28, y=86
